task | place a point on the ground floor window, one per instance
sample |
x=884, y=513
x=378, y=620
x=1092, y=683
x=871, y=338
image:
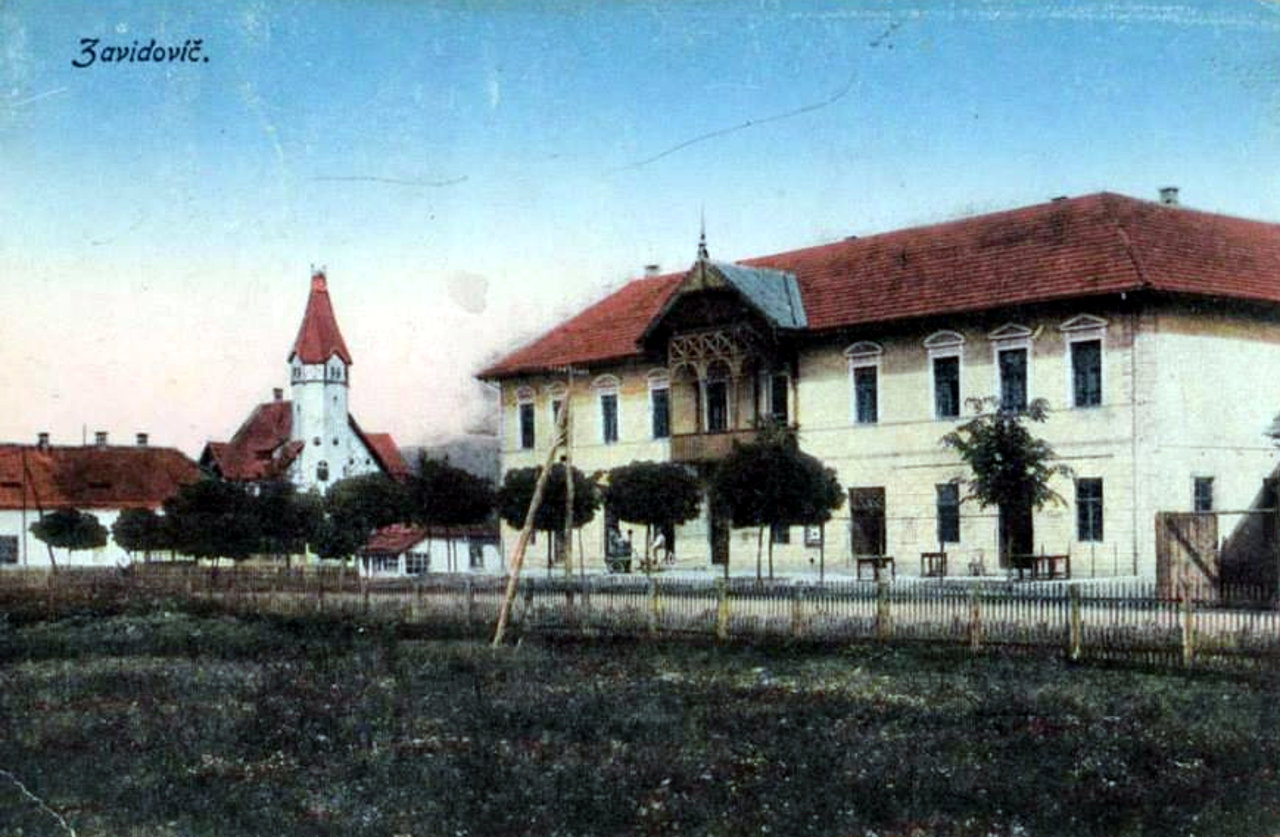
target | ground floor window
x=417, y=563
x=1203, y=494
x=383, y=563
x=475, y=554
x=1089, y=509
x=8, y=549
x=781, y=533
x=948, y=513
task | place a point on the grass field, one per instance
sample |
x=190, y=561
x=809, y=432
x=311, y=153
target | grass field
x=173, y=724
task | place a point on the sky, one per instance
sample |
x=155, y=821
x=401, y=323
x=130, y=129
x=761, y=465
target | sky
x=470, y=173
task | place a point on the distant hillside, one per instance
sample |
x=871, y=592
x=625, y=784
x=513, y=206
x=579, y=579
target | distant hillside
x=474, y=453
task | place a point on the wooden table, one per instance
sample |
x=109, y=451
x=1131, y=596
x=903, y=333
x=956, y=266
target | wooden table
x=877, y=563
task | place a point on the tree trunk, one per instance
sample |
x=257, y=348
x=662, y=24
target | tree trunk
x=759, y=549
x=771, y=553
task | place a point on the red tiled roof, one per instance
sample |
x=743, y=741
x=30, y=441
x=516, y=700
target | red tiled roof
x=384, y=448
x=89, y=477
x=318, y=337
x=1096, y=244
x=398, y=538
x=262, y=448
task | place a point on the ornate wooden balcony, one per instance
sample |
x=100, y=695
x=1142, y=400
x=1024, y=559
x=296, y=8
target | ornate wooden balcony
x=707, y=447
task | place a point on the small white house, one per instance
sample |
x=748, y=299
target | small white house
x=401, y=550
x=100, y=479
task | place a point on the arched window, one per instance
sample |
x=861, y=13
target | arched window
x=864, y=380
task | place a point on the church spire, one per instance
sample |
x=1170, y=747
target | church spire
x=319, y=338
x=702, y=238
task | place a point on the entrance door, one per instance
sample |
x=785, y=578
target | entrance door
x=866, y=520
x=1017, y=532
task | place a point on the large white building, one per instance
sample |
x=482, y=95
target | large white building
x=1152, y=330
x=311, y=440
x=99, y=478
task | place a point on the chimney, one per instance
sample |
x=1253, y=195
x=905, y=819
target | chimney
x=42, y=440
x=277, y=394
x=100, y=438
x=651, y=270
x=1057, y=198
x=1169, y=195
x=142, y=440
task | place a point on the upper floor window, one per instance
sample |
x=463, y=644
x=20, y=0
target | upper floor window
x=1089, y=509
x=1086, y=373
x=1202, y=490
x=779, y=383
x=1084, y=335
x=864, y=372
x=526, y=409
x=944, y=366
x=607, y=387
x=716, y=390
x=1012, y=362
x=660, y=404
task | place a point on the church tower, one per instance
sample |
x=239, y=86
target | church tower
x=319, y=372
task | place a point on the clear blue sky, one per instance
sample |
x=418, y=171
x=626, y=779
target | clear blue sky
x=470, y=172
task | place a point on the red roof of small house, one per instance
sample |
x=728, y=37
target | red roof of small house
x=263, y=447
x=399, y=537
x=41, y=478
x=319, y=338
x=1081, y=247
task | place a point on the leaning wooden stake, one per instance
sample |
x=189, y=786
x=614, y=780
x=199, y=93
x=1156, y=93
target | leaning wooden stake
x=526, y=532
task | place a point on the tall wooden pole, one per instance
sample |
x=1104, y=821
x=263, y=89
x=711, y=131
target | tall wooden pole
x=568, y=479
x=526, y=532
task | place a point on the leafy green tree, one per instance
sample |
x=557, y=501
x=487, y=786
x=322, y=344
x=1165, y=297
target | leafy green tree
x=70, y=529
x=516, y=493
x=441, y=494
x=286, y=520
x=770, y=482
x=1012, y=468
x=213, y=519
x=354, y=508
x=653, y=494
x=141, y=530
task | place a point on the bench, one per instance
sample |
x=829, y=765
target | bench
x=933, y=564
x=877, y=563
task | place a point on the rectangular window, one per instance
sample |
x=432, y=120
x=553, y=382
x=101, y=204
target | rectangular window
x=526, y=426
x=1204, y=494
x=661, y=399
x=717, y=406
x=1089, y=509
x=948, y=513
x=781, y=533
x=1013, y=379
x=778, y=398
x=864, y=394
x=475, y=554
x=946, y=387
x=417, y=563
x=609, y=417
x=8, y=549
x=1086, y=373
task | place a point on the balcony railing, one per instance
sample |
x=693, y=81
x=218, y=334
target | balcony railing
x=708, y=447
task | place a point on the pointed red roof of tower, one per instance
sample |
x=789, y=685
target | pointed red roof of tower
x=319, y=337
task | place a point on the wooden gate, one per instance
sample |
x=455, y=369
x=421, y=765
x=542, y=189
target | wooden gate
x=1187, y=553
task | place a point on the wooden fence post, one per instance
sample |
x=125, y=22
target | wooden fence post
x=975, y=620
x=1188, y=627
x=797, y=612
x=722, y=609
x=1074, y=633
x=884, y=620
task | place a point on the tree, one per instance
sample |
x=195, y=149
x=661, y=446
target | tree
x=356, y=507
x=70, y=529
x=440, y=494
x=213, y=519
x=770, y=482
x=1012, y=468
x=655, y=494
x=286, y=520
x=141, y=530
x=517, y=491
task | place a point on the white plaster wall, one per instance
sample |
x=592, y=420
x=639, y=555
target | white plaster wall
x=34, y=554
